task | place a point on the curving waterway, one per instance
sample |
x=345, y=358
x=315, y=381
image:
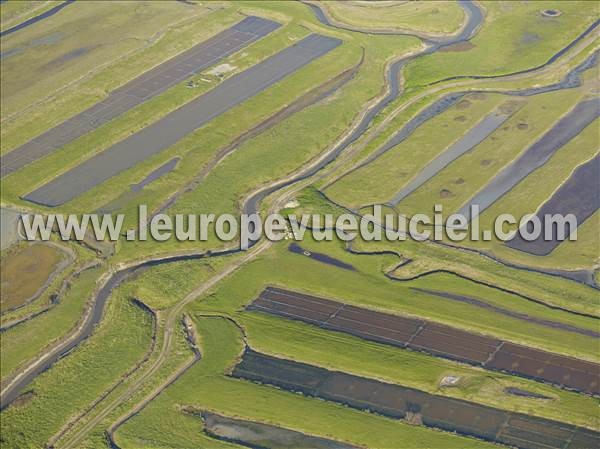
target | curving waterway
x=94, y=316
x=37, y=18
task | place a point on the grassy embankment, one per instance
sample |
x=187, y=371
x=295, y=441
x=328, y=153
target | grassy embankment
x=58, y=418
x=66, y=63
x=205, y=387
x=369, y=287
x=179, y=356
x=122, y=335
x=428, y=17
x=428, y=257
x=461, y=179
x=75, y=381
x=210, y=390
x=304, y=342
x=413, y=100
x=24, y=341
x=14, y=13
x=83, y=259
x=124, y=125
x=571, y=255
x=515, y=36
x=286, y=146
x=261, y=107
x=399, y=165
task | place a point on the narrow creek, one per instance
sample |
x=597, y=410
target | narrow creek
x=97, y=304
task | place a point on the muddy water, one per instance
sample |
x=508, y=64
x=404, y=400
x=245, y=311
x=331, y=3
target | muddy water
x=263, y=436
x=579, y=195
x=95, y=317
x=320, y=257
x=511, y=313
x=418, y=407
x=535, y=156
x=471, y=139
x=571, y=80
x=475, y=19
x=36, y=19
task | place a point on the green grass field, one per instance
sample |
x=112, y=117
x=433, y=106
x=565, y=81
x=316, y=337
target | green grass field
x=76, y=381
x=429, y=17
x=205, y=387
x=528, y=39
x=61, y=65
x=456, y=183
x=14, y=13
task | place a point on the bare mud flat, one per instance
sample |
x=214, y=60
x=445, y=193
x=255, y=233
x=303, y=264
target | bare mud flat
x=417, y=407
x=431, y=338
x=579, y=195
x=174, y=126
x=324, y=258
x=257, y=435
x=140, y=89
x=536, y=155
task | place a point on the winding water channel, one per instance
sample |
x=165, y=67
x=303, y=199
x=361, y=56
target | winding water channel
x=36, y=19
x=97, y=304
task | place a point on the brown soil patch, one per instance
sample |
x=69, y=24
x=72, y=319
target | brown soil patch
x=415, y=419
x=24, y=270
x=464, y=104
x=460, y=118
x=522, y=126
x=508, y=107
x=486, y=162
x=23, y=399
x=429, y=337
x=459, y=181
x=445, y=193
x=415, y=406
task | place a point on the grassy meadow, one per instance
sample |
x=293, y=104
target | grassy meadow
x=62, y=65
